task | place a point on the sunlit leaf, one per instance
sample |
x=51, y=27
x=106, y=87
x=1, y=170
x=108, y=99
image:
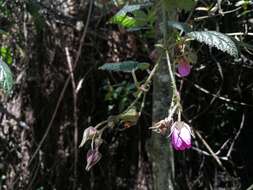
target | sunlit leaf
x=215, y=39
x=6, y=55
x=124, y=66
x=130, y=16
x=6, y=79
x=125, y=21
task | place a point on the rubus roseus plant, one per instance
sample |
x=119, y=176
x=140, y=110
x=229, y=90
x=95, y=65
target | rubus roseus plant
x=132, y=18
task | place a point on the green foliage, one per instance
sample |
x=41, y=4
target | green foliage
x=180, y=26
x=34, y=9
x=125, y=21
x=4, y=10
x=137, y=18
x=215, y=39
x=6, y=79
x=125, y=66
x=119, y=95
x=5, y=53
x=180, y=4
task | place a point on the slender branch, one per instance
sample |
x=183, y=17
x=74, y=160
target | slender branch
x=210, y=150
x=74, y=115
x=173, y=81
x=236, y=136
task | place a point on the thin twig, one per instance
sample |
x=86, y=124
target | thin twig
x=236, y=136
x=220, y=14
x=208, y=154
x=210, y=150
x=218, y=96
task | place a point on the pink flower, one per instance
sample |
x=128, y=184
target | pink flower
x=181, y=135
x=183, y=68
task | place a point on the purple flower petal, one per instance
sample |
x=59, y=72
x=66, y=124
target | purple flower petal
x=184, y=68
x=181, y=136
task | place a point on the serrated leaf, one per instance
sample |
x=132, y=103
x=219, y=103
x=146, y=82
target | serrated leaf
x=6, y=79
x=215, y=39
x=180, y=26
x=124, y=66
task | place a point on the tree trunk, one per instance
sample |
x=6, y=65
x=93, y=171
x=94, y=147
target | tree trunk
x=160, y=150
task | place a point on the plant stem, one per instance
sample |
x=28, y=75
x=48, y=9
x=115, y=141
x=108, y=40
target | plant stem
x=172, y=76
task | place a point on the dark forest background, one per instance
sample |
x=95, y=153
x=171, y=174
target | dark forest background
x=217, y=97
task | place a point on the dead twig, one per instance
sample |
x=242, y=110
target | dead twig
x=236, y=136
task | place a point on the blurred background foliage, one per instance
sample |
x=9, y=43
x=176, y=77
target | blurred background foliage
x=37, y=146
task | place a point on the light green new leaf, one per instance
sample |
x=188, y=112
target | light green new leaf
x=138, y=17
x=124, y=66
x=125, y=21
x=215, y=39
x=6, y=79
x=5, y=53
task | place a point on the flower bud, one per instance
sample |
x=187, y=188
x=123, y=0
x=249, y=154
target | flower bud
x=181, y=135
x=183, y=67
x=92, y=157
x=88, y=134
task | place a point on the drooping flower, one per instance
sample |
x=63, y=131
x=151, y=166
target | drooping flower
x=93, y=156
x=181, y=135
x=183, y=67
x=87, y=135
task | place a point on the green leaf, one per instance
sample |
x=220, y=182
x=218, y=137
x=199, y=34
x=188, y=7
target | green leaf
x=124, y=66
x=125, y=21
x=180, y=26
x=6, y=79
x=34, y=8
x=215, y=39
x=5, y=53
x=138, y=17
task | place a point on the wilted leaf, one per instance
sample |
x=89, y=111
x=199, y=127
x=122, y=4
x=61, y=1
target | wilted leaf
x=125, y=66
x=131, y=117
x=6, y=79
x=215, y=39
